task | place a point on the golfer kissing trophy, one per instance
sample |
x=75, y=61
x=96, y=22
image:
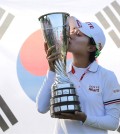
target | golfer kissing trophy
x=56, y=31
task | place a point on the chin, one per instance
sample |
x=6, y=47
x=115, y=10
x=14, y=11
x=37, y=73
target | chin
x=69, y=48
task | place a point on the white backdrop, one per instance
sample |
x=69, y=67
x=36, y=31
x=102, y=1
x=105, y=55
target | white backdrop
x=20, y=79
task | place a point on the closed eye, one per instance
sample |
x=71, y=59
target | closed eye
x=78, y=34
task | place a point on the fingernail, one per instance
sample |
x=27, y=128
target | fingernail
x=76, y=112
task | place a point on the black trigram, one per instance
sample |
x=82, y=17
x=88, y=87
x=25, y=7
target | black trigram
x=112, y=12
x=4, y=26
x=8, y=114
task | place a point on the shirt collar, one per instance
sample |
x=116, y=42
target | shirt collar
x=93, y=67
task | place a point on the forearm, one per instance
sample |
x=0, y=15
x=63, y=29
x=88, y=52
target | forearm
x=44, y=94
x=108, y=122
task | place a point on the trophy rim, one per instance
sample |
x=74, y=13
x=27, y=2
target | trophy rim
x=53, y=13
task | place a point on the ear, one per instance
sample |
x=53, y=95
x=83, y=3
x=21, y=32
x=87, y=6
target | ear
x=91, y=48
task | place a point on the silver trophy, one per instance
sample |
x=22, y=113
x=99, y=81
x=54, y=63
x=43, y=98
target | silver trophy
x=55, y=27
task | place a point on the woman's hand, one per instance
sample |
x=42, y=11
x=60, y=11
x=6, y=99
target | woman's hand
x=51, y=57
x=81, y=116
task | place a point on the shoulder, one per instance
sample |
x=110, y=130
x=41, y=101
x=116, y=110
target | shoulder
x=109, y=79
x=106, y=73
x=111, y=86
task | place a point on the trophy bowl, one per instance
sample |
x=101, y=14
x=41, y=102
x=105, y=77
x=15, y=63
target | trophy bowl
x=56, y=31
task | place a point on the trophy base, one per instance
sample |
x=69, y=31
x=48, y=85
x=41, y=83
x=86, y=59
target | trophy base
x=56, y=111
x=63, y=91
x=63, y=100
x=66, y=99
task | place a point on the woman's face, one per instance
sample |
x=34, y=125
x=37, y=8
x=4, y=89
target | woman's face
x=78, y=43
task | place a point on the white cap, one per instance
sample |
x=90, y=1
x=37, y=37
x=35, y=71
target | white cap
x=91, y=29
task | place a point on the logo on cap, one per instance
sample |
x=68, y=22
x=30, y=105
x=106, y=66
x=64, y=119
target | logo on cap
x=79, y=23
x=90, y=25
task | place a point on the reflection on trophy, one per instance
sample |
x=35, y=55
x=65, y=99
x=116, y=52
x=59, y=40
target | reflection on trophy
x=56, y=30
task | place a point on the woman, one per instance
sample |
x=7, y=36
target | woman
x=97, y=87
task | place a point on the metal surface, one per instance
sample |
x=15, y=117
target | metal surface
x=63, y=92
x=64, y=99
x=56, y=32
x=65, y=108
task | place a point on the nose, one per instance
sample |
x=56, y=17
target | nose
x=71, y=36
x=72, y=33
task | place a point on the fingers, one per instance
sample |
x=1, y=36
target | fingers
x=61, y=117
x=45, y=46
x=49, y=51
x=67, y=115
x=79, y=112
x=53, y=57
x=54, y=54
x=77, y=116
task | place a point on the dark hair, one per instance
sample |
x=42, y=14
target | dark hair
x=92, y=54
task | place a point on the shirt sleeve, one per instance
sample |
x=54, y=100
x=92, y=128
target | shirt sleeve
x=111, y=90
x=44, y=94
x=111, y=101
x=110, y=121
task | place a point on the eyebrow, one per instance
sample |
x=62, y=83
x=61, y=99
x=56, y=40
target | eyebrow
x=80, y=32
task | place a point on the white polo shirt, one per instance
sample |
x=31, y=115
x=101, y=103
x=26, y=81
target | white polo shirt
x=99, y=96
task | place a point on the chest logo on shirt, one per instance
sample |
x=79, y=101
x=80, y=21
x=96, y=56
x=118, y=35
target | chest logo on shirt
x=93, y=88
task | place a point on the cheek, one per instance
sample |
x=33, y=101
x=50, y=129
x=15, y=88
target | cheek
x=82, y=40
x=79, y=45
x=75, y=44
x=76, y=48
